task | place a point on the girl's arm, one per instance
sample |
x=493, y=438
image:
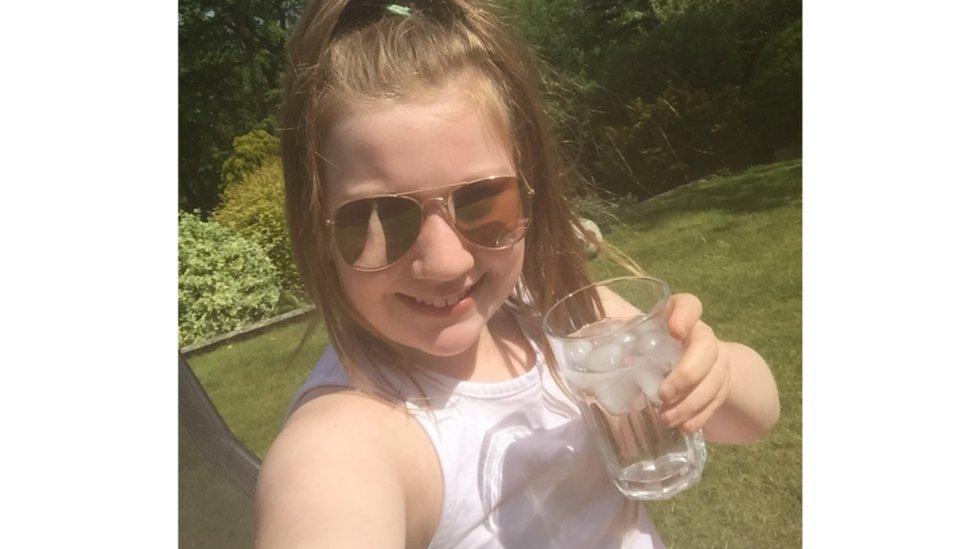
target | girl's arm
x=722, y=387
x=348, y=471
x=751, y=408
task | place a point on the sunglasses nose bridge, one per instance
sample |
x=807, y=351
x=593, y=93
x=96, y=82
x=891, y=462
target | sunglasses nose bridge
x=444, y=203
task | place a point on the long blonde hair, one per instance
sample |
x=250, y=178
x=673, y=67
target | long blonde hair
x=345, y=51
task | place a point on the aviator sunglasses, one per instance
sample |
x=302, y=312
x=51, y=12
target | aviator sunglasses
x=373, y=233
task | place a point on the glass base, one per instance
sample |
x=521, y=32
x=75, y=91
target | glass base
x=662, y=478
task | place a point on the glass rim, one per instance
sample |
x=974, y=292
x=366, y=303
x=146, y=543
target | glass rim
x=654, y=310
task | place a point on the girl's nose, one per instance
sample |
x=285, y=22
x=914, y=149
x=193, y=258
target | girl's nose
x=440, y=254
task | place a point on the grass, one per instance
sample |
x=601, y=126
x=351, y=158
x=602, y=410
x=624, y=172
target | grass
x=251, y=381
x=735, y=242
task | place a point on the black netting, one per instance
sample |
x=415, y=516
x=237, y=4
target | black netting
x=218, y=474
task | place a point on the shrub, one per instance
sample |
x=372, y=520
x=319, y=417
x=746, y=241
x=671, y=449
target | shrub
x=255, y=209
x=225, y=281
x=251, y=151
x=681, y=135
x=648, y=95
x=775, y=93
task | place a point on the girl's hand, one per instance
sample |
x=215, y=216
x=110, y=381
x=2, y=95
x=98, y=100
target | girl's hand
x=701, y=380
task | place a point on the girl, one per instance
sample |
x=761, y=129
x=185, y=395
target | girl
x=428, y=218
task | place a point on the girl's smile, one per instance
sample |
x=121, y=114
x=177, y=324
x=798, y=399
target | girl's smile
x=452, y=305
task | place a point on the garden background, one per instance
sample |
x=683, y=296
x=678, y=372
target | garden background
x=646, y=96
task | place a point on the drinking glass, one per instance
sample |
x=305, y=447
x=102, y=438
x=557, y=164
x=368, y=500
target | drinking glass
x=613, y=354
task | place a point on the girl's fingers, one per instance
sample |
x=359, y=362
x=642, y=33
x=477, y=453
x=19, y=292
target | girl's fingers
x=702, y=418
x=701, y=352
x=684, y=310
x=701, y=397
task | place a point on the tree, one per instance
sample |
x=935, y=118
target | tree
x=231, y=56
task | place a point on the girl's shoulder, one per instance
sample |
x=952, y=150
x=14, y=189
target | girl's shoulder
x=355, y=417
x=342, y=409
x=340, y=448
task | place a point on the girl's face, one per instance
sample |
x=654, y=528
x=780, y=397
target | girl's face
x=410, y=146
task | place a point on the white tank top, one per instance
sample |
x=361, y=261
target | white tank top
x=519, y=468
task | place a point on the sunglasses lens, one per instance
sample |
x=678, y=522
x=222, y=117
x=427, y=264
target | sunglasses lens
x=372, y=233
x=492, y=213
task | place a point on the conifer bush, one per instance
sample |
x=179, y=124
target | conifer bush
x=255, y=209
x=251, y=151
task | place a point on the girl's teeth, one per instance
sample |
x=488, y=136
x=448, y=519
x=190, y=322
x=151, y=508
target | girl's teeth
x=440, y=302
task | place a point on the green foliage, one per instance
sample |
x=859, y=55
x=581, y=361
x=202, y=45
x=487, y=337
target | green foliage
x=251, y=151
x=775, y=93
x=255, y=209
x=629, y=85
x=650, y=95
x=667, y=10
x=225, y=281
x=683, y=134
x=231, y=57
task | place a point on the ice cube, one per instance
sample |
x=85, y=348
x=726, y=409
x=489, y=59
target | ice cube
x=619, y=395
x=667, y=353
x=648, y=378
x=600, y=329
x=639, y=324
x=647, y=343
x=576, y=352
x=654, y=341
x=594, y=335
x=584, y=381
x=626, y=340
x=634, y=360
x=604, y=358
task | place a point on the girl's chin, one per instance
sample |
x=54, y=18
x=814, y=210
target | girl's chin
x=451, y=341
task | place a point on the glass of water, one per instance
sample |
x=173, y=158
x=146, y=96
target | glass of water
x=613, y=354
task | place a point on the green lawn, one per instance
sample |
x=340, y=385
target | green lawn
x=735, y=242
x=251, y=381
